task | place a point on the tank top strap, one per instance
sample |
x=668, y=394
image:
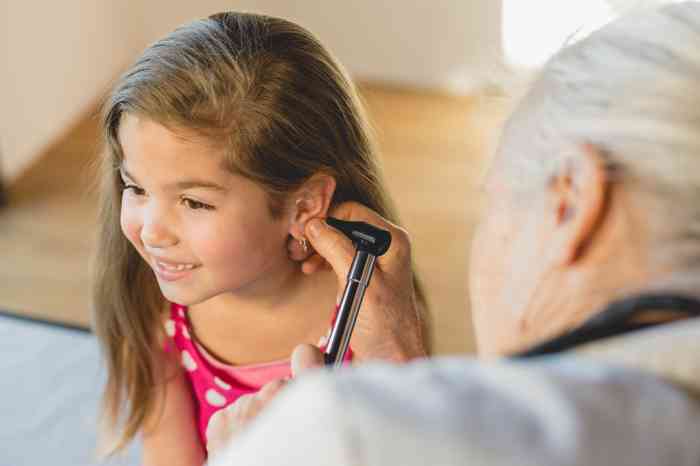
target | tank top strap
x=177, y=313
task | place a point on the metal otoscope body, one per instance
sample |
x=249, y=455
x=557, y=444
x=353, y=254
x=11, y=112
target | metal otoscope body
x=370, y=242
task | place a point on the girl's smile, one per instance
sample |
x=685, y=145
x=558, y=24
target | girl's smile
x=203, y=230
x=172, y=271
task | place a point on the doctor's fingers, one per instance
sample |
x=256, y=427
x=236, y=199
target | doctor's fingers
x=228, y=422
x=338, y=250
x=332, y=246
x=400, y=249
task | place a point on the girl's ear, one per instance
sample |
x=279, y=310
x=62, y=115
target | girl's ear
x=312, y=200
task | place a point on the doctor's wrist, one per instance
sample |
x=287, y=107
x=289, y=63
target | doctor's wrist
x=397, y=348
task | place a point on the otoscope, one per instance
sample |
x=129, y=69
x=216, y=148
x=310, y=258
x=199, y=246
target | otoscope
x=370, y=242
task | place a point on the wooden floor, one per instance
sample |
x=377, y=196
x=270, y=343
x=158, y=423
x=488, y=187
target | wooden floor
x=434, y=148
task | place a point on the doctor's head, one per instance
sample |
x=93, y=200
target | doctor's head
x=594, y=191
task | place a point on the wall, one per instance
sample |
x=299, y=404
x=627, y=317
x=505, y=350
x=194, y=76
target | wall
x=444, y=44
x=56, y=62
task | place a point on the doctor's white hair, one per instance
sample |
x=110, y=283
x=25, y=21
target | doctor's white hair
x=632, y=89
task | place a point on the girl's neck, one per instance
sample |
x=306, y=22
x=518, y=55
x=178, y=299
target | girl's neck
x=259, y=326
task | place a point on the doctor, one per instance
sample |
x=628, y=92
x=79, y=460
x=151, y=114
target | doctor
x=585, y=273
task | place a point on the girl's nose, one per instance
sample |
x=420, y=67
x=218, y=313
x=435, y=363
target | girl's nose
x=155, y=232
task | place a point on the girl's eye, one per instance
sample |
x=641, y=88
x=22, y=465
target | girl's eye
x=196, y=205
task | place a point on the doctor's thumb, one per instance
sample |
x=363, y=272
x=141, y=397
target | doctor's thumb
x=331, y=245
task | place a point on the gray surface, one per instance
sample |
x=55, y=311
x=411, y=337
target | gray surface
x=50, y=388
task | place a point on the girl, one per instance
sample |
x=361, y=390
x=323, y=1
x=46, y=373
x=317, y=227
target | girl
x=222, y=141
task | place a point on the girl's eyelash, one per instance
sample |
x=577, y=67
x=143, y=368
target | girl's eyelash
x=189, y=203
x=196, y=205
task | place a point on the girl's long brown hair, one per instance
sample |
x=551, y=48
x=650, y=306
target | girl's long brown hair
x=266, y=91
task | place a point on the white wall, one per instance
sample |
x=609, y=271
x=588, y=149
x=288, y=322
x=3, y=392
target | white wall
x=57, y=60
x=444, y=44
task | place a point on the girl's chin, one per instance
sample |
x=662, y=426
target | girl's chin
x=182, y=297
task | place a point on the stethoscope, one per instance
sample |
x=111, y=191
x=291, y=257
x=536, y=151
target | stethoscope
x=618, y=318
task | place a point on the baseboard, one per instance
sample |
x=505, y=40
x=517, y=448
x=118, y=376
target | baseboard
x=51, y=323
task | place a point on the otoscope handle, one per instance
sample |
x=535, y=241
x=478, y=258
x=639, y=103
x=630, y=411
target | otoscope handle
x=370, y=242
x=357, y=281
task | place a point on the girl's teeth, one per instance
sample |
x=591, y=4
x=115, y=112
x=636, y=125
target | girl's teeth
x=178, y=267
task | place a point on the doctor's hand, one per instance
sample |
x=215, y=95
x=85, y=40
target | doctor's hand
x=228, y=422
x=388, y=326
x=225, y=424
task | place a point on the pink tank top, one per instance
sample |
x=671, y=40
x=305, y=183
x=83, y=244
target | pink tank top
x=215, y=384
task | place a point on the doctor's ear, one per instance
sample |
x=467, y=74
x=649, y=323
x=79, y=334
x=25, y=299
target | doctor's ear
x=581, y=193
x=311, y=200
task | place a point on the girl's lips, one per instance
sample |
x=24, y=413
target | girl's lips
x=170, y=272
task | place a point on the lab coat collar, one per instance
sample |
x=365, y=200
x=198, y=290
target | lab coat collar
x=670, y=351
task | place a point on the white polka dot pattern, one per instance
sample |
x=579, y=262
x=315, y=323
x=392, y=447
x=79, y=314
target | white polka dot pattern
x=187, y=361
x=215, y=398
x=186, y=333
x=170, y=327
x=221, y=383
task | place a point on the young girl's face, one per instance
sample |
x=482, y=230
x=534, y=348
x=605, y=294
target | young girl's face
x=203, y=230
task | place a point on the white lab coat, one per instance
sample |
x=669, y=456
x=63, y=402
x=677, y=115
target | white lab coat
x=628, y=401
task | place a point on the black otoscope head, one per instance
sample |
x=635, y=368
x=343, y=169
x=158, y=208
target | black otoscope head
x=366, y=237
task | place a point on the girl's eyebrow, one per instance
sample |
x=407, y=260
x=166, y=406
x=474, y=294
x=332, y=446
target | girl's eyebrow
x=181, y=185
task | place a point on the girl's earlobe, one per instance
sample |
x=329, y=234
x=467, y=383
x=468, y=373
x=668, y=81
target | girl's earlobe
x=297, y=245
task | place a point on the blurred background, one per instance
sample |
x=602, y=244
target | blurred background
x=438, y=78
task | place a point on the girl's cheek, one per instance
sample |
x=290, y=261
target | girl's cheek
x=225, y=247
x=130, y=224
